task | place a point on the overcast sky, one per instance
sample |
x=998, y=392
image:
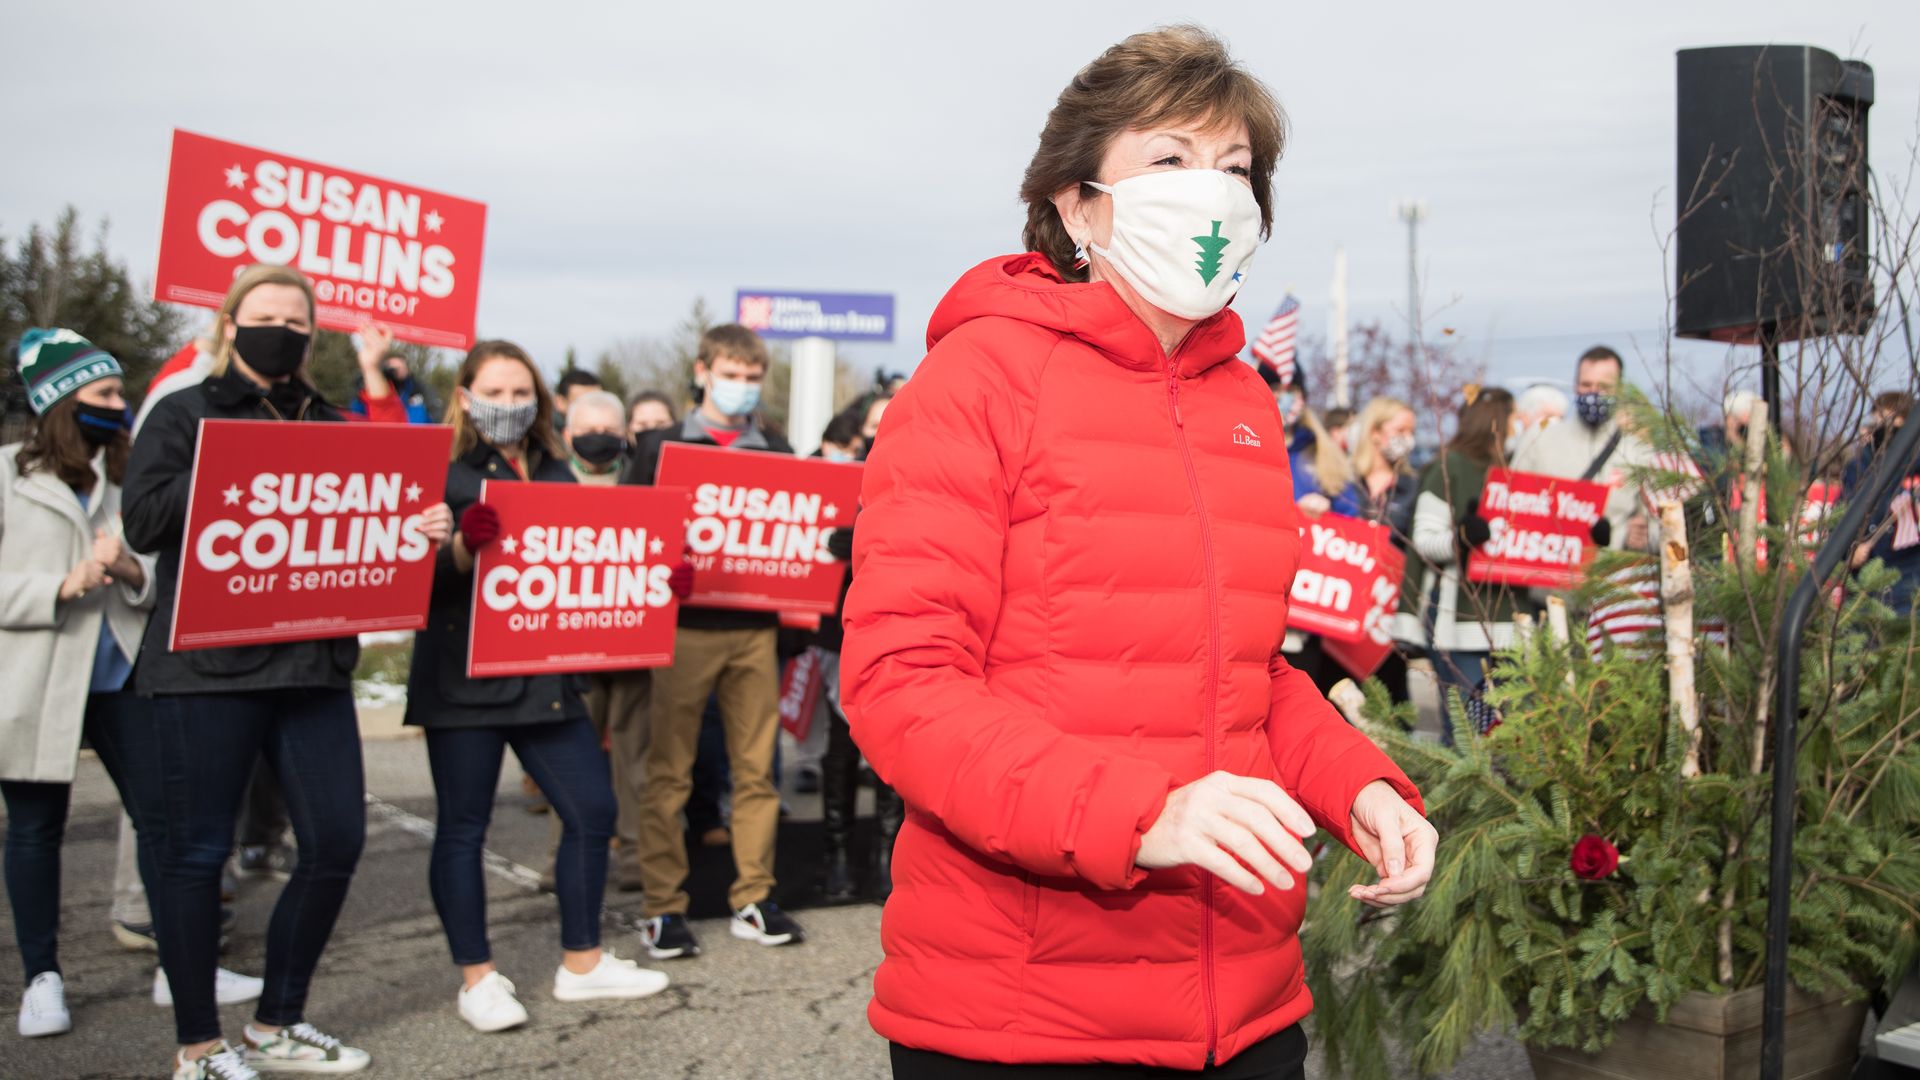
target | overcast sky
x=635, y=156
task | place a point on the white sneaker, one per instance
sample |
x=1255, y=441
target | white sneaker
x=222, y=1062
x=43, y=1008
x=229, y=988
x=489, y=1005
x=612, y=977
x=301, y=1048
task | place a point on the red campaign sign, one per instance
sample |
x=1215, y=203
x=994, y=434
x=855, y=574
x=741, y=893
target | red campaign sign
x=760, y=526
x=279, y=549
x=577, y=580
x=800, y=683
x=1346, y=589
x=375, y=249
x=1820, y=502
x=1542, y=529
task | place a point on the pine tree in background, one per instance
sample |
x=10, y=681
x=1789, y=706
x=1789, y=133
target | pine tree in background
x=612, y=379
x=334, y=368
x=1581, y=876
x=49, y=280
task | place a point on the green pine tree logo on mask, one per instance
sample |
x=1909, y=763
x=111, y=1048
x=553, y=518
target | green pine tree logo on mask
x=1210, y=249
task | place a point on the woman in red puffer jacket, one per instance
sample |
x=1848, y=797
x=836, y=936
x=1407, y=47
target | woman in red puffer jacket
x=1064, y=630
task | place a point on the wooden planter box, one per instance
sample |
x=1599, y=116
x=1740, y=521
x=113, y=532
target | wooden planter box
x=1717, y=1037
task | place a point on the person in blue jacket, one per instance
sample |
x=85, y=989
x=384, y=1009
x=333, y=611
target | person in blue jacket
x=391, y=375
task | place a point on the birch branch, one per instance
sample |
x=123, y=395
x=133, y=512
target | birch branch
x=1676, y=605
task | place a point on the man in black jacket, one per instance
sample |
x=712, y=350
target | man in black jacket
x=730, y=655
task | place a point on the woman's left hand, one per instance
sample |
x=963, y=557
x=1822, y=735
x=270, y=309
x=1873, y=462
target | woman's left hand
x=436, y=523
x=1397, y=841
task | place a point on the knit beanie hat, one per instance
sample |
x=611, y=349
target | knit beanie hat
x=55, y=363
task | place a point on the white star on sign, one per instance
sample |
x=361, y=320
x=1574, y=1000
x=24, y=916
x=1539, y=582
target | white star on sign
x=433, y=220
x=830, y=511
x=507, y=545
x=232, y=495
x=656, y=547
x=236, y=177
x=413, y=492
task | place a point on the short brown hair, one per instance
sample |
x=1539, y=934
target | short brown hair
x=1175, y=75
x=1894, y=403
x=736, y=341
x=541, y=434
x=1601, y=354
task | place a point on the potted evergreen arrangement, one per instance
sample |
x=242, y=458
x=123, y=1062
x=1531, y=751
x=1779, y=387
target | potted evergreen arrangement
x=1601, y=882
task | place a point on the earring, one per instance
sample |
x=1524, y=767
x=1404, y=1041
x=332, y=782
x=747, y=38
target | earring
x=1079, y=255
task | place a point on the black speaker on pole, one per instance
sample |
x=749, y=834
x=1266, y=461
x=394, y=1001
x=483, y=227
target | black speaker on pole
x=1772, y=234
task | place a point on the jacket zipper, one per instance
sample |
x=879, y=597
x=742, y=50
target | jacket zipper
x=1213, y=692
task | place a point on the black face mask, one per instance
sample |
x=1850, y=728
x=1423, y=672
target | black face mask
x=598, y=448
x=287, y=397
x=99, y=424
x=272, y=351
x=395, y=376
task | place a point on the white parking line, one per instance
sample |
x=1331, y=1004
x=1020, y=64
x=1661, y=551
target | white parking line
x=495, y=863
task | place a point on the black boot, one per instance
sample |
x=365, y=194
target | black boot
x=892, y=813
x=838, y=790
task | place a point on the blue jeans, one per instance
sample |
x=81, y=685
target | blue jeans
x=187, y=769
x=565, y=759
x=36, y=825
x=1463, y=671
x=1901, y=597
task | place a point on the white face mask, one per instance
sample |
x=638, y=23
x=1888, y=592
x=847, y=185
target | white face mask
x=1182, y=238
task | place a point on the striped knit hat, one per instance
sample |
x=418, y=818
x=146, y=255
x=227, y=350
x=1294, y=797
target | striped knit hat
x=55, y=363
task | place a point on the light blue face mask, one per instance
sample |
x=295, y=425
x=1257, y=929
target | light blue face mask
x=734, y=397
x=838, y=455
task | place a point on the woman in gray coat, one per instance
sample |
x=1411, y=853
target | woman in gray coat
x=73, y=604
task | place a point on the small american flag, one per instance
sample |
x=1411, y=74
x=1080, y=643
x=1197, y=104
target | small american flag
x=1275, y=343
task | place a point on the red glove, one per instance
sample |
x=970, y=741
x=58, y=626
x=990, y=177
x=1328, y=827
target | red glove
x=479, y=525
x=681, y=580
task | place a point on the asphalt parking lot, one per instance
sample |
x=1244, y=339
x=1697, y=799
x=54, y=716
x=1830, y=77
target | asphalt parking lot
x=387, y=985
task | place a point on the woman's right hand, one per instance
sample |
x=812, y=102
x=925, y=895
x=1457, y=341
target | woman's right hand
x=376, y=339
x=1313, y=504
x=86, y=576
x=1220, y=821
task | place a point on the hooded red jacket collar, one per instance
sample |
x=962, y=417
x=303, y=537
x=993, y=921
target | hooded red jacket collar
x=1027, y=287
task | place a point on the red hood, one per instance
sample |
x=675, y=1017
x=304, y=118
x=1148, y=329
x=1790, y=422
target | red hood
x=1027, y=287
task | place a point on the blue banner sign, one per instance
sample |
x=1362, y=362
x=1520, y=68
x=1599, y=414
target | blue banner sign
x=841, y=316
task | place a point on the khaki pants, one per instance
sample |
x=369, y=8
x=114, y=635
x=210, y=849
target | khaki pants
x=740, y=668
x=618, y=702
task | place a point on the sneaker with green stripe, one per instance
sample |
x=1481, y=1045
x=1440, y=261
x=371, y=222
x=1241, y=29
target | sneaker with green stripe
x=301, y=1048
x=220, y=1062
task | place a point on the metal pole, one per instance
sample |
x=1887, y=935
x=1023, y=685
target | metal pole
x=1413, y=213
x=810, y=399
x=1786, y=720
x=1770, y=372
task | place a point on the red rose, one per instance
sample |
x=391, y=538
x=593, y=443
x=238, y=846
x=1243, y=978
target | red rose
x=1594, y=858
